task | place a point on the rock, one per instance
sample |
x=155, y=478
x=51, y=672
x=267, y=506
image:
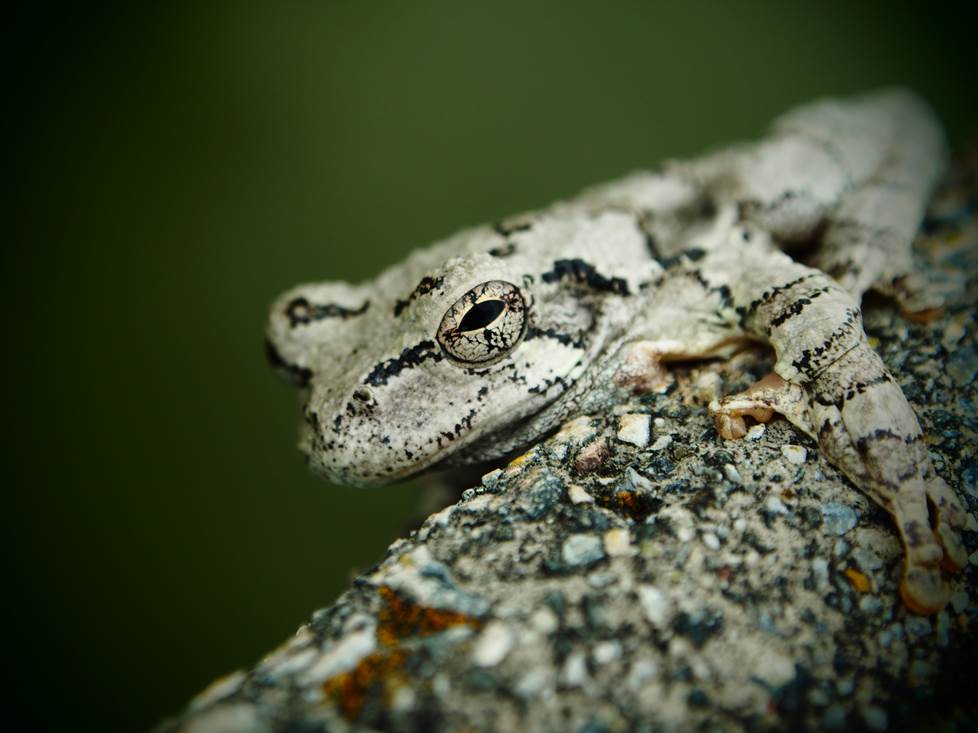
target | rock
x=581, y=549
x=962, y=366
x=574, y=672
x=730, y=471
x=635, y=429
x=755, y=432
x=795, y=454
x=655, y=605
x=603, y=582
x=662, y=442
x=578, y=495
x=607, y=651
x=838, y=518
x=959, y=601
x=870, y=605
x=618, y=543
x=493, y=644
x=867, y=559
x=875, y=717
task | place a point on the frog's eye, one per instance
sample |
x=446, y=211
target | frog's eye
x=484, y=324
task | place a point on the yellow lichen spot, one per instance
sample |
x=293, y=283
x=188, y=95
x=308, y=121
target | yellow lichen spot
x=858, y=580
x=520, y=460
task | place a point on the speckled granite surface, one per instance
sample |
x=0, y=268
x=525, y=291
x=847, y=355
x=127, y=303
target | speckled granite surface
x=635, y=572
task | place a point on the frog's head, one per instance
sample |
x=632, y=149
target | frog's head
x=462, y=352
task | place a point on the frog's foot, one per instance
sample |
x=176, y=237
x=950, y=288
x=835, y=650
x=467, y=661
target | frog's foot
x=866, y=428
x=917, y=300
x=916, y=297
x=759, y=402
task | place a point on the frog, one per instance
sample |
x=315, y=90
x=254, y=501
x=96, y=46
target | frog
x=478, y=345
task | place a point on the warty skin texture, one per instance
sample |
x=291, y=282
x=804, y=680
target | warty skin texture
x=682, y=262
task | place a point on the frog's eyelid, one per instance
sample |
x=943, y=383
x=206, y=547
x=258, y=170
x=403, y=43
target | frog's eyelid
x=424, y=287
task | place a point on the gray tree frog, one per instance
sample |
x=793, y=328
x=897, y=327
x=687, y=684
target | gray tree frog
x=482, y=343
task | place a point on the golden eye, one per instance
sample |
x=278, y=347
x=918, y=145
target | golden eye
x=484, y=324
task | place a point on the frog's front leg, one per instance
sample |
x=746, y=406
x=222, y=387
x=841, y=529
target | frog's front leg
x=830, y=383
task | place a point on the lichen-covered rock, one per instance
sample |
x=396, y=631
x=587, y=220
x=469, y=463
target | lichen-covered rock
x=635, y=572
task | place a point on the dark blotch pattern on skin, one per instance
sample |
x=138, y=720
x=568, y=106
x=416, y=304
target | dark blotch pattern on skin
x=584, y=273
x=298, y=376
x=407, y=359
x=424, y=287
x=564, y=338
x=504, y=251
x=796, y=307
x=300, y=311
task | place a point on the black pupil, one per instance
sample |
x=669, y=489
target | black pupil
x=481, y=315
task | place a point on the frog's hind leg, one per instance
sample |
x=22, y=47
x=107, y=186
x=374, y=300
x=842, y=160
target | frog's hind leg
x=833, y=386
x=843, y=410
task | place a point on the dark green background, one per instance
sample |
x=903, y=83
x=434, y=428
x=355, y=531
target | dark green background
x=173, y=169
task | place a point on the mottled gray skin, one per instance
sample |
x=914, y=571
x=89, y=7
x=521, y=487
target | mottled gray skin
x=684, y=262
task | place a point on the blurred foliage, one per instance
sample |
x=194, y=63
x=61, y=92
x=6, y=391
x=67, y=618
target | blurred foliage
x=174, y=167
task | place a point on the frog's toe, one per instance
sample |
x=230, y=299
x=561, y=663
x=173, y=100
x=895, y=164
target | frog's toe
x=955, y=556
x=764, y=398
x=948, y=520
x=923, y=590
x=729, y=425
x=729, y=414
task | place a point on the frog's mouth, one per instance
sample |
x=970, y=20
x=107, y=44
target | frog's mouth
x=508, y=441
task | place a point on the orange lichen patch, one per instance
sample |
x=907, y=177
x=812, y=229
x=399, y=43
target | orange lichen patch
x=858, y=580
x=377, y=674
x=402, y=618
x=631, y=504
x=725, y=572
